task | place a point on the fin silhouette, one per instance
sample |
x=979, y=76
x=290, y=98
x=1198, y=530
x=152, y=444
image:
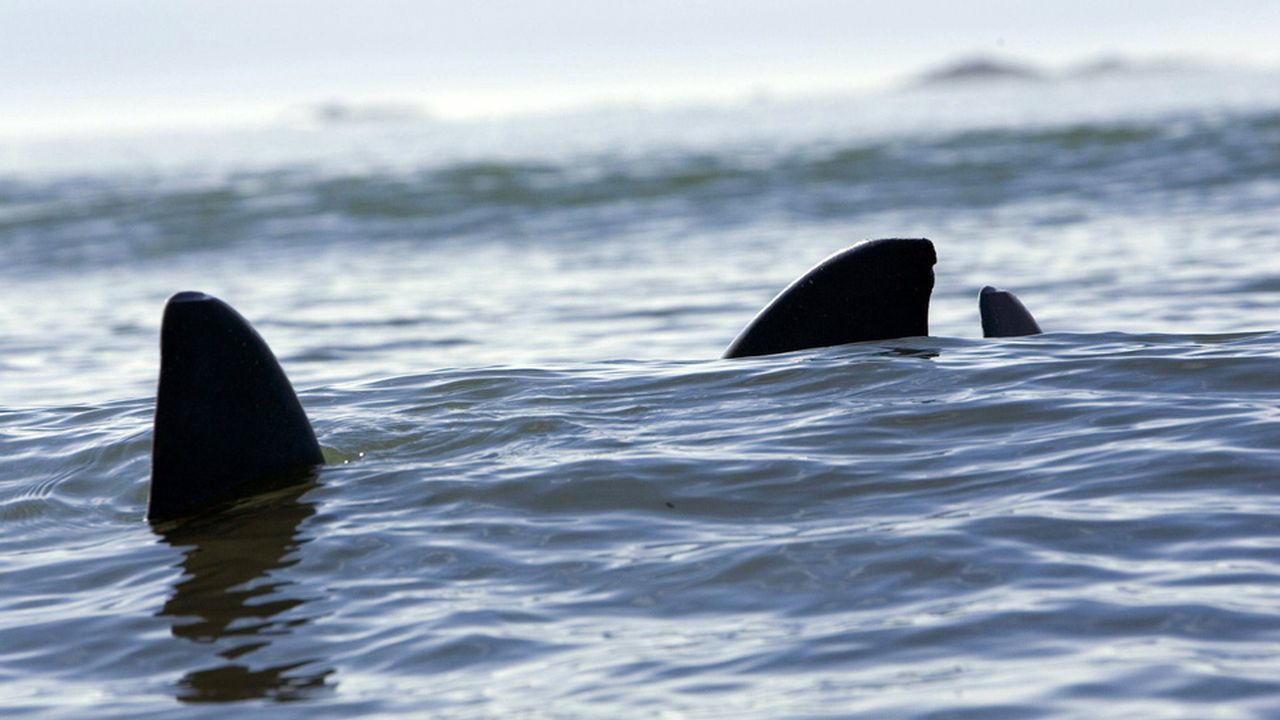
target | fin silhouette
x=876, y=290
x=1004, y=315
x=228, y=422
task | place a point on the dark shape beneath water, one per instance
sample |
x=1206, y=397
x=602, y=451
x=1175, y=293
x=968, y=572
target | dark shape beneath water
x=231, y=601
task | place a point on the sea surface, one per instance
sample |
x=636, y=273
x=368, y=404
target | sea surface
x=548, y=497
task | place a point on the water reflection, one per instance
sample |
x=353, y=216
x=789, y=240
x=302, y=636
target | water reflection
x=231, y=598
x=917, y=352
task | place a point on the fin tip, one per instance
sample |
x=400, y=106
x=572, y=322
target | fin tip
x=190, y=296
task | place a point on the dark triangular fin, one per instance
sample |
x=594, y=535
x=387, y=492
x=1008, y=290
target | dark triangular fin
x=876, y=290
x=1004, y=315
x=227, y=421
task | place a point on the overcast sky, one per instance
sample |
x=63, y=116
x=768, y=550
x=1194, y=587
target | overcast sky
x=111, y=60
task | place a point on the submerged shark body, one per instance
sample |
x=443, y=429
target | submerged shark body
x=228, y=423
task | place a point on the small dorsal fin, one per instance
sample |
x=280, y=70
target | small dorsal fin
x=1004, y=315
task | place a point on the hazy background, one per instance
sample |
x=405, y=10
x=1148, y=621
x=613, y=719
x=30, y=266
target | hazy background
x=92, y=65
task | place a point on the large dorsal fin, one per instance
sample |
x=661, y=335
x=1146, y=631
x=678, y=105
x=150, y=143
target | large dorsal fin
x=876, y=290
x=1004, y=315
x=227, y=420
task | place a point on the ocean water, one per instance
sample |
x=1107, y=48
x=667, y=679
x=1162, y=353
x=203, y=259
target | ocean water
x=548, y=497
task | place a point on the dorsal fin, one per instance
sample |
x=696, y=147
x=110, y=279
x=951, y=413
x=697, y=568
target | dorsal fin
x=227, y=420
x=1004, y=315
x=876, y=290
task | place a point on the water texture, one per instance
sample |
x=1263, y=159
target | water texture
x=548, y=497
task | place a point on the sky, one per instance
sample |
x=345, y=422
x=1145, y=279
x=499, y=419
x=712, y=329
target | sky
x=69, y=63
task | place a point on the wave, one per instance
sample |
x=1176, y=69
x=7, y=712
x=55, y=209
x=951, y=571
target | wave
x=1219, y=162
x=856, y=512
